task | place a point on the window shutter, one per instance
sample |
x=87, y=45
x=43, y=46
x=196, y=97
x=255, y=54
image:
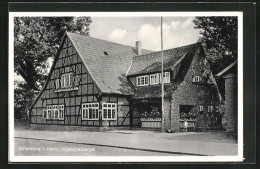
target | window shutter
x=62, y=81
x=57, y=83
x=67, y=80
x=71, y=76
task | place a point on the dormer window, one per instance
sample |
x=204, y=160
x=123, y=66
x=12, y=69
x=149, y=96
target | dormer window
x=196, y=79
x=167, y=77
x=156, y=78
x=142, y=80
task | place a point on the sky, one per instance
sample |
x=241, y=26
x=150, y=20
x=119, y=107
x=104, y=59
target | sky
x=177, y=31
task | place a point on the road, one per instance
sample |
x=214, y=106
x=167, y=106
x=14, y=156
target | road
x=36, y=147
x=125, y=143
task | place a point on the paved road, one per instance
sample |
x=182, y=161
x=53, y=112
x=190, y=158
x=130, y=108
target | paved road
x=132, y=141
x=36, y=147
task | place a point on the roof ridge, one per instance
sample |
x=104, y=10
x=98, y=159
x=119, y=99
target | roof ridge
x=166, y=50
x=99, y=39
x=132, y=47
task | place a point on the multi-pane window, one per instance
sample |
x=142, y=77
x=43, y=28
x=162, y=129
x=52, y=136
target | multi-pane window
x=49, y=112
x=61, y=112
x=196, y=79
x=44, y=115
x=201, y=108
x=90, y=111
x=167, y=78
x=210, y=108
x=66, y=80
x=142, y=80
x=55, y=112
x=156, y=78
x=109, y=111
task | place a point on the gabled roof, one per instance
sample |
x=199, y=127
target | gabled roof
x=224, y=71
x=148, y=63
x=107, y=62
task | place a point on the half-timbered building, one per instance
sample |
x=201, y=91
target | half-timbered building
x=97, y=84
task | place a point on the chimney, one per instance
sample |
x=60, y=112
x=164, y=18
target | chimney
x=138, y=47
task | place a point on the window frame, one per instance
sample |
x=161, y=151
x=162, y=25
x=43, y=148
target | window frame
x=196, y=79
x=55, y=108
x=168, y=80
x=61, y=108
x=66, y=78
x=113, y=106
x=210, y=108
x=156, y=79
x=201, y=108
x=44, y=112
x=49, y=109
x=87, y=108
x=144, y=77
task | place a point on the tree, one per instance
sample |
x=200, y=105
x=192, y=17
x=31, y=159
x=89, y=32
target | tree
x=219, y=39
x=36, y=39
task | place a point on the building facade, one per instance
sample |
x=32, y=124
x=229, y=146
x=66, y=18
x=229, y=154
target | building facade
x=96, y=84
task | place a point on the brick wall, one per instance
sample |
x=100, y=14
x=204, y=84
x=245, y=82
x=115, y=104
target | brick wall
x=231, y=102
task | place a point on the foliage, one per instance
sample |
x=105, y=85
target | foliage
x=153, y=114
x=36, y=40
x=188, y=115
x=213, y=119
x=219, y=39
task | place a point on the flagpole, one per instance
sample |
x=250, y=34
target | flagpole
x=162, y=76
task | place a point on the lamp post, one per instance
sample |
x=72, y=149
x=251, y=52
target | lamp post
x=162, y=76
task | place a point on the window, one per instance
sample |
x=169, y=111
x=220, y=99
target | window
x=90, y=111
x=217, y=109
x=142, y=80
x=167, y=77
x=57, y=83
x=44, y=115
x=61, y=112
x=109, y=111
x=49, y=112
x=67, y=80
x=55, y=112
x=201, y=108
x=154, y=79
x=210, y=108
x=196, y=79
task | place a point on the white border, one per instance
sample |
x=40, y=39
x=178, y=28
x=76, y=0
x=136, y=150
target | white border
x=13, y=158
